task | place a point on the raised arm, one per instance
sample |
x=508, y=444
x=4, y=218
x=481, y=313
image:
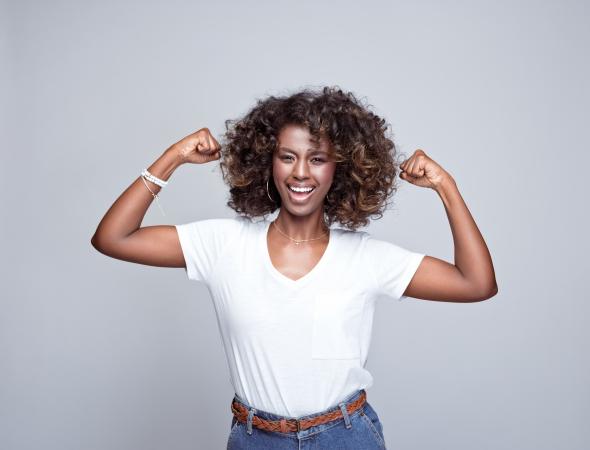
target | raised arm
x=119, y=235
x=472, y=276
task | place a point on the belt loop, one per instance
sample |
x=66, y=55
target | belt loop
x=249, y=420
x=345, y=414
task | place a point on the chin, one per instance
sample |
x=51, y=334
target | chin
x=301, y=209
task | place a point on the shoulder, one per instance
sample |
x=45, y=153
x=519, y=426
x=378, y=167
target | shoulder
x=366, y=243
x=221, y=228
x=351, y=235
x=348, y=238
x=218, y=223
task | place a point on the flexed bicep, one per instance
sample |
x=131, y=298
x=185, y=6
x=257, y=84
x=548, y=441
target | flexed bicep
x=439, y=280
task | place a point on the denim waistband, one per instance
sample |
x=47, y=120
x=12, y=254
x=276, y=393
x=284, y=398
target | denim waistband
x=271, y=416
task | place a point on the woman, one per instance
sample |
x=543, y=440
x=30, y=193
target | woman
x=295, y=296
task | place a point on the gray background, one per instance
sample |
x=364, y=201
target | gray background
x=98, y=353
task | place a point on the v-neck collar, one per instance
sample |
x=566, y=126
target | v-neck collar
x=283, y=278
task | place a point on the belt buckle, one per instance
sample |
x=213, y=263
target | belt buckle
x=298, y=424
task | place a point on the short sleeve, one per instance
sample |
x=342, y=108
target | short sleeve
x=392, y=266
x=203, y=242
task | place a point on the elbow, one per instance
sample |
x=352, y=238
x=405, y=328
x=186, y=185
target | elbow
x=96, y=243
x=486, y=293
x=93, y=241
x=492, y=292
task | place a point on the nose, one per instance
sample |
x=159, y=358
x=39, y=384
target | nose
x=301, y=169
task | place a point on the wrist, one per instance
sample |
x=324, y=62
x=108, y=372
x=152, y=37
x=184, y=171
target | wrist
x=165, y=165
x=447, y=182
x=173, y=156
x=446, y=189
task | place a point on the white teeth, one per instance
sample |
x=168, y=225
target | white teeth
x=295, y=189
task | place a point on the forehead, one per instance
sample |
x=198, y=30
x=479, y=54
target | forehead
x=298, y=138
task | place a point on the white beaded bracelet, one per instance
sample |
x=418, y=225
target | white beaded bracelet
x=153, y=178
x=146, y=175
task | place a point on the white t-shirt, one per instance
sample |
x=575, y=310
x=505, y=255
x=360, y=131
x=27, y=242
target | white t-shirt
x=294, y=347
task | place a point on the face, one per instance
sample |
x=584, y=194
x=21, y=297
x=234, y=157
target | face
x=299, y=162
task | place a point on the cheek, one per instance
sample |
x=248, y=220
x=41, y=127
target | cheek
x=326, y=176
x=279, y=170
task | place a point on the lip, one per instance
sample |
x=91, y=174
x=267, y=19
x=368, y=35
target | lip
x=300, y=198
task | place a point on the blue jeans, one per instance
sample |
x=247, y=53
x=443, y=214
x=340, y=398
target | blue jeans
x=360, y=430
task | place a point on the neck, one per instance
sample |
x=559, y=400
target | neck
x=302, y=227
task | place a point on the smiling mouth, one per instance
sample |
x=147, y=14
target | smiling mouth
x=300, y=196
x=301, y=192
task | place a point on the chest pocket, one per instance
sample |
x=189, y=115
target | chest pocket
x=336, y=325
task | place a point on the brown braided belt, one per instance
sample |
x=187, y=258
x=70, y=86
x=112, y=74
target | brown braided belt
x=285, y=425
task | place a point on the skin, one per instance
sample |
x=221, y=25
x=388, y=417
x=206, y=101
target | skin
x=471, y=278
x=299, y=161
x=120, y=234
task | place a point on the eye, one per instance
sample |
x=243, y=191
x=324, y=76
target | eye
x=288, y=157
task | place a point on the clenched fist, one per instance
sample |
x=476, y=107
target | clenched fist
x=198, y=148
x=421, y=170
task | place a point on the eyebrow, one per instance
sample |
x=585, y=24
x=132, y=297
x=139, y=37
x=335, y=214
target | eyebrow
x=312, y=150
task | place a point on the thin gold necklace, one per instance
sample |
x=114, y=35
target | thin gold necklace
x=297, y=242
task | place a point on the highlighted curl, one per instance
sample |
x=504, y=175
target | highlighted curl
x=360, y=143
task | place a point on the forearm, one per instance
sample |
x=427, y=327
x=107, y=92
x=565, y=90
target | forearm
x=472, y=257
x=127, y=212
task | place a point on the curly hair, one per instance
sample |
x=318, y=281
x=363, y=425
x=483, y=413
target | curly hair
x=366, y=169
